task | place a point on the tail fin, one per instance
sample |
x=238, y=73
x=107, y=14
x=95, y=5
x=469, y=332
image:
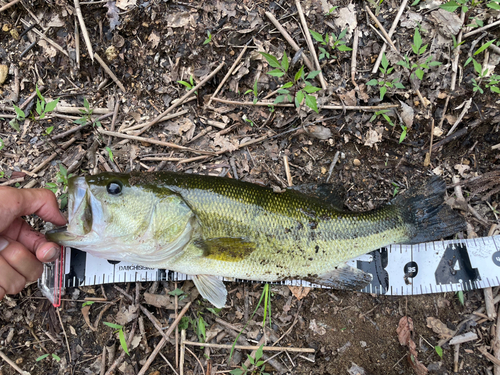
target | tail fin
x=424, y=209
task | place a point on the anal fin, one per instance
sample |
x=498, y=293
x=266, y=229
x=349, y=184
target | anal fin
x=212, y=289
x=343, y=277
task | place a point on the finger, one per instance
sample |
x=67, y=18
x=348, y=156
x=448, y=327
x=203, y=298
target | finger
x=34, y=241
x=21, y=260
x=10, y=280
x=2, y=293
x=19, y=202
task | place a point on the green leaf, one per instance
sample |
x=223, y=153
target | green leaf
x=39, y=107
x=184, y=323
x=2, y=173
x=248, y=92
x=287, y=85
x=460, y=295
x=468, y=61
x=493, y=5
x=259, y=352
x=317, y=36
x=110, y=153
x=14, y=124
x=176, y=292
x=450, y=6
x=113, y=325
x=209, y=38
x=2, y=144
x=477, y=67
x=372, y=82
x=399, y=85
x=310, y=89
x=123, y=341
x=439, y=351
x=383, y=90
x=311, y=103
x=86, y=104
x=435, y=63
x=283, y=91
x=276, y=73
x=39, y=93
x=343, y=33
x=384, y=62
x=86, y=303
x=387, y=118
x=313, y=74
x=271, y=60
x=214, y=310
x=298, y=98
x=51, y=186
x=81, y=121
x=236, y=371
x=417, y=42
x=187, y=84
x=343, y=48
x=299, y=74
x=56, y=357
x=49, y=107
x=403, y=133
x=255, y=87
x=495, y=89
x=279, y=99
x=284, y=62
x=41, y=357
x=419, y=73
x=201, y=330
x=19, y=112
x=483, y=47
x=49, y=130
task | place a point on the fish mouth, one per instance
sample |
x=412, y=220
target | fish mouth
x=80, y=216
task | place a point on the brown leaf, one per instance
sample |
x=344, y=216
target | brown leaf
x=126, y=315
x=404, y=331
x=159, y=300
x=299, y=291
x=85, y=313
x=439, y=327
x=225, y=143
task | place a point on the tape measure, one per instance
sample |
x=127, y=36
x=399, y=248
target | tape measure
x=432, y=267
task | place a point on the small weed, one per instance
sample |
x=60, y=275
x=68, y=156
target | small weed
x=121, y=335
x=336, y=42
x=383, y=83
x=376, y=4
x=250, y=121
x=494, y=4
x=2, y=173
x=332, y=9
x=396, y=189
x=42, y=107
x=20, y=116
x=259, y=365
x=2, y=144
x=87, y=115
x=62, y=177
x=383, y=113
x=87, y=303
x=209, y=38
x=455, y=43
x=417, y=68
x=453, y=5
x=281, y=68
x=460, y=295
x=476, y=22
x=179, y=293
x=492, y=81
x=439, y=351
x=254, y=91
x=189, y=85
x=110, y=154
x=404, y=131
x=54, y=356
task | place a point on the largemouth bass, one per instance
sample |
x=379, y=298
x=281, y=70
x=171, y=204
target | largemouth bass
x=210, y=226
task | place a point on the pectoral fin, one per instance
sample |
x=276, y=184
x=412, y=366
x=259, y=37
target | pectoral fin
x=226, y=249
x=344, y=277
x=212, y=289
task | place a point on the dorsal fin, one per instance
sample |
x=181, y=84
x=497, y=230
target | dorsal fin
x=333, y=194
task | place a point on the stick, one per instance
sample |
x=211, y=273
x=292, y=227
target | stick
x=147, y=125
x=165, y=118
x=310, y=44
x=467, y=105
x=496, y=344
x=287, y=171
x=10, y=362
x=289, y=39
x=353, y=58
x=251, y=347
x=381, y=28
x=113, y=120
x=120, y=359
x=477, y=31
x=390, y=33
x=183, y=352
x=43, y=36
x=488, y=356
x=163, y=341
x=337, y=107
x=64, y=332
x=228, y=74
x=488, y=301
x=7, y=6
x=153, y=141
x=84, y=29
x=110, y=73
x=334, y=161
x=77, y=45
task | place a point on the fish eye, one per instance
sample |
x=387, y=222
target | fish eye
x=114, y=188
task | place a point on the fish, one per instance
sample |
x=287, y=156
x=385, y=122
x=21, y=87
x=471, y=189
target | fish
x=211, y=227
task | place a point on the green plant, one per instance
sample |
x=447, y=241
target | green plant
x=383, y=83
x=417, y=67
x=20, y=116
x=2, y=173
x=453, y=5
x=455, y=43
x=54, y=356
x=62, y=177
x=86, y=115
x=383, y=113
x=396, y=189
x=332, y=9
x=254, y=91
x=460, y=295
x=250, y=121
x=336, y=42
x=476, y=23
x=121, y=335
x=300, y=84
x=189, y=85
x=491, y=84
x=376, y=4
x=88, y=303
x=492, y=80
x=110, y=153
x=2, y=144
x=439, y=351
x=257, y=363
x=494, y=4
x=404, y=131
x=42, y=107
x=209, y=38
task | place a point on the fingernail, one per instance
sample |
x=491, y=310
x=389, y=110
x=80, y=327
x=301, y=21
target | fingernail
x=51, y=254
x=63, y=217
x=3, y=243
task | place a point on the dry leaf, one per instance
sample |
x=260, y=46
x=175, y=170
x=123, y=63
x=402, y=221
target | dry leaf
x=112, y=14
x=299, y=291
x=461, y=168
x=85, y=313
x=225, y=143
x=407, y=114
x=123, y=4
x=347, y=17
x=154, y=38
x=47, y=49
x=404, y=331
x=320, y=330
x=319, y=132
x=439, y=327
x=373, y=136
x=349, y=97
x=126, y=315
x=159, y=300
x=449, y=23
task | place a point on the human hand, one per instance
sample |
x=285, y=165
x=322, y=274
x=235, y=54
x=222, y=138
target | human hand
x=22, y=249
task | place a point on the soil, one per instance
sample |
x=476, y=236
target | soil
x=150, y=46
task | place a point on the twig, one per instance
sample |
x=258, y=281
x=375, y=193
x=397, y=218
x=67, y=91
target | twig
x=334, y=107
x=252, y=347
x=488, y=302
x=176, y=306
x=496, y=343
x=455, y=357
x=195, y=357
x=120, y=359
x=381, y=28
x=390, y=33
x=43, y=36
x=353, y=56
x=12, y=364
x=228, y=74
x=183, y=352
x=153, y=141
x=84, y=30
x=163, y=341
x=65, y=335
x=287, y=171
x=289, y=39
x=77, y=45
x=7, y=6
x=30, y=98
x=153, y=320
x=481, y=29
x=110, y=73
x=147, y=125
x=165, y=118
x=262, y=341
x=488, y=356
x=79, y=127
x=15, y=93
x=427, y=159
x=467, y=105
x=113, y=120
x=334, y=161
x=310, y=44
x=78, y=110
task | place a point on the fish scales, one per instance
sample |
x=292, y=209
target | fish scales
x=208, y=226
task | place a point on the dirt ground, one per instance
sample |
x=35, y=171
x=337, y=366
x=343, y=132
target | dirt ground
x=151, y=45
